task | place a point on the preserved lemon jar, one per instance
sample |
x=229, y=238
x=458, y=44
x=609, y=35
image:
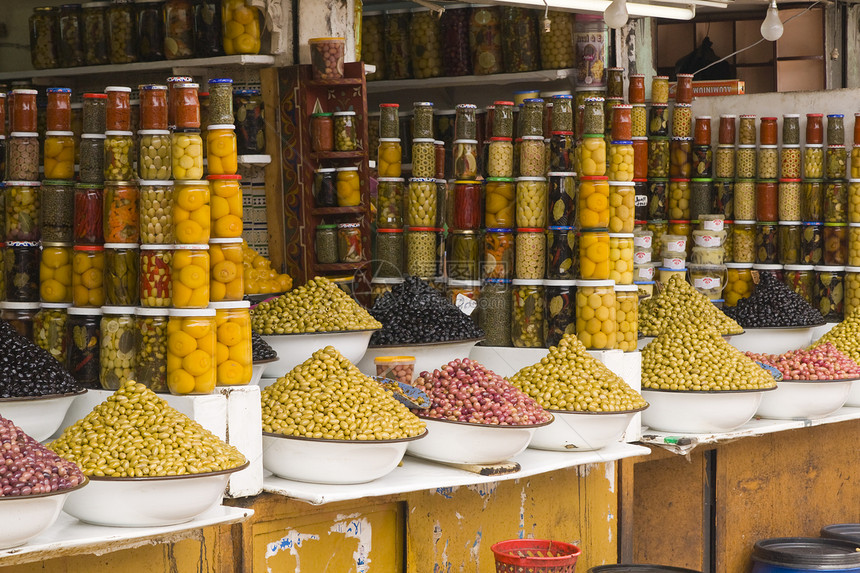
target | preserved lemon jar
x=240, y=27
x=679, y=199
x=226, y=205
x=627, y=317
x=121, y=274
x=854, y=200
x=852, y=290
x=531, y=202
x=226, y=271
x=530, y=253
x=150, y=366
x=681, y=157
x=156, y=286
x=594, y=255
x=59, y=152
x=594, y=209
x=349, y=186
x=191, y=212
x=117, y=354
x=389, y=157
x=233, y=347
x=426, y=44
x=621, y=258
x=221, y=152
x=739, y=282
x=592, y=160
x=621, y=161
x=596, y=324
x=190, y=276
x=499, y=203
x=191, y=351
x=88, y=265
x=527, y=320
x=187, y=155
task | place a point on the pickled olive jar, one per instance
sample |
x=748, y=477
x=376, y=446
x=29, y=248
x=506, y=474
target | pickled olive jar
x=745, y=162
x=225, y=270
x=789, y=199
x=83, y=333
x=747, y=130
x=426, y=44
x=790, y=162
x=389, y=156
x=117, y=354
x=739, y=282
x=22, y=210
x=349, y=243
x=658, y=199
x=621, y=161
x=241, y=34
x=701, y=198
x=767, y=243
x=594, y=255
x=789, y=242
x=812, y=201
x=790, y=129
x=421, y=251
x=680, y=158
x=701, y=158
x=829, y=292
x=389, y=258
x=178, y=29
x=854, y=200
x=119, y=156
x=463, y=258
x=50, y=329
x=596, y=314
x=423, y=158
x=593, y=122
x=835, y=244
x=55, y=273
x=187, y=155
x=527, y=323
x=154, y=160
x=852, y=290
x=562, y=253
x=855, y=162
x=191, y=351
x=679, y=199
x=640, y=158
x=88, y=265
x=801, y=279
x=422, y=202
x=92, y=158
x=744, y=242
x=724, y=197
x=155, y=275
x=325, y=244
x=745, y=202
x=813, y=162
x=57, y=211
x=345, y=131
x=191, y=212
x=812, y=243
x=835, y=202
x=724, y=162
x=836, y=162
x=658, y=158
x=639, y=120
x=559, y=310
x=766, y=201
x=594, y=211
x=768, y=162
x=44, y=38
x=22, y=163
x=621, y=258
x=23, y=111
x=389, y=201
x=500, y=161
x=151, y=347
x=466, y=205
x=622, y=197
x=530, y=254
x=94, y=35
x=226, y=206
x=682, y=120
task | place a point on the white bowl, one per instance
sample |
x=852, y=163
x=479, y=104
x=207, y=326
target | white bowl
x=332, y=461
x=854, y=395
x=803, y=399
x=24, y=517
x=148, y=501
x=258, y=368
x=464, y=443
x=428, y=356
x=293, y=349
x=689, y=412
x=39, y=416
x=776, y=340
x=582, y=431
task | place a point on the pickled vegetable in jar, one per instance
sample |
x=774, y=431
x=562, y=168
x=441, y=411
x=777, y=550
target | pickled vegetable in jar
x=121, y=215
x=701, y=198
x=702, y=161
x=250, y=122
x=241, y=27
x=767, y=243
x=527, y=324
x=322, y=132
x=221, y=151
x=593, y=122
x=501, y=158
x=465, y=122
x=835, y=243
x=88, y=265
x=658, y=121
x=22, y=163
x=389, y=157
x=44, y=38
x=121, y=274
x=94, y=35
x=621, y=207
x=747, y=130
x=520, y=47
x=744, y=206
x=325, y=244
x=464, y=255
x=744, y=242
x=423, y=158
x=852, y=290
x=561, y=198
x=813, y=161
x=349, y=243
x=207, y=29
x=829, y=292
x=855, y=162
x=789, y=199
x=767, y=162
x=658, y=158
x=191, y=351
x=233, y=362
x=559, y=309
x=117, y=354
x=562, y=152
x=531, y=157
x=150, y=30
x=680, y=158
x=593, y=157
x=389, y=201
x=745, y=166
x=466, y=208
x=789, y=242
x=388, y=261
x=854, y=200
x=345, y=131
x=594, y=251
x=620, y=161
x=155, y=275
x=530, y=253
x=835, y=202
x=801, y=279
x=154, y=160
x=421, y=251
x=679, y=199
x=658, y=202
x=639, y=121
x=531, y=201
x=151, y=348
x=50, y=330
x=178, y=29
x=226, y=274
x=790, y=162
x=621, y=258
x=812, y=201
x=426, y=44
x=627, y=317
x=836, y=162
x=682, y=120
x=562, y=253
x=82, y=358
x=118, y=156
x=596, y=324
x=812, y=243
x=724, y=162
x=22, y=200
x=192, y=212
x=835, y=129
x=739, y=283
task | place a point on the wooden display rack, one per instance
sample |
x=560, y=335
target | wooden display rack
x=299, y=93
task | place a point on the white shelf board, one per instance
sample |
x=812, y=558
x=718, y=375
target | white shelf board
x=755, y=427
x=415, y=474
x=68, y=536
x=493, y=79
x=255, y=159
x=255, y=60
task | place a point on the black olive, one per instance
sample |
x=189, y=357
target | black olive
x=774, y=304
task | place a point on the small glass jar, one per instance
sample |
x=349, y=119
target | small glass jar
x=766, y=201
x=421, y=253
x=150, y=30
x=22, y=200
x=466, y=208
x=325, y=193
x=739, y=282
x=187, y=155
x=250, y=121
x=55, y=273
x=621, y=251
x=242, y=27
x=119, y=156
x=744, y=206
x=789, y=200
x=853, y=244
x=83, y=331
x=178, y=29
x=527, y=322
x=724, y=198
x=679, y=199
x=92, y=158
x=191, y=356
x=801, y=279
x=495, y=312
x=226, y=270
x=121, y=214
x=767, y=243
x=701, y=161
x=835, y=243
x=561, y=199
x=812, y=201
x=121, y=274
x=627, y=317
x=658, y=158
x=50, y=329
x=379, y=287
x=88, y=265
x=640, y=158
x=531, y=201
x=789, y=242
x=233, y=332
x=596, y=324
x=44, y=38
x=835, y=202
x=464, y=255
x=221, y=152
x=388, y=262
x=559, y=310
x=94, y=114
x=88, y=225
x=768, y=162
x=207, y=29
x=531, y=157
x=325, y=244
x=836, y=162
x=531, y=253
x=701, y=198
x=747, y=130
x=658, y=121
x=190, y=276
x=156, y=285
x=498, y=254
x=122, y=33
x=852, y=290
x=345, y=131
x=59, y=154
x=151, y=348
x=192, y=211
x=592, y=159
x=156, y=212
x=389, y=201
x=423, y=158
x=680, y=158
x=724, y=163
x=594, y=252
x=465, y=154
x=562, y=253
x=790, y=162
x=322, y=132
x=835, y=129
x=813, y=161
x=594, y=210
x=682, y=120
x=349, y=243
x=854, y=200
x=855, y=162
x=389, y=157
x=94, y=34
x=812, y=243
x=829, y=292
x=593, y=120
x=117, y=354
x=21, y=316
x=500, y=161
x=23, y=156
x=745, y=162
x=620, y=161
x=499, y=203
x=744, y=242
x=621, y=207
x=422, y=202
x=658, y=202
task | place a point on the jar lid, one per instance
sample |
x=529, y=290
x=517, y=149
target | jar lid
x=621, y=236
x=155, y=311
x=462, y=232
x=795, y=180
x=493, y=180
x=389, y=230
x=621, y=184
x=332, y=170
x=855, y=225
x=830, y=269
x=833, y=115
x=125, y=89
x=153, y=132
x=570, y=133
x=159, y=87
x=84, y=311
x=112, y=133
x=55, y=244
x=118, y=309
x=22, y=184
x=394, y=105
x=814, y=145
x=343, y=113
x=621, y=141
x=392, y=359
x=423, y=140
x=152, y=247
x=472, y=141
x=93, y=136
x=389, y=140
x=463, y=283
x=347, y=168
x=59, y=133
x=322, y=114
x=227, y=304
x=89, y=96
x=177, y=79
x=795, y=267
x=63, y=305
x=24, y=91
x=328, y=226
x=559, y=283
x=122, y=183
x=790, y=223
x=626, y=288
x=528, y=282
x=193, y=247
x=772, y=146
x=503, y=103
x=767, y=267
x=191, y=312
x=531, y=179
x=507, y=139
x=385, y=281
x=90, y=248
x=186, y=85
x=740, y=265
x=562, y=174
x=501, y=230
x=348, y=225
x=24, y=134
x=495, y=281
x=530, y=230
x=835, y=224
x=811, y=223
x=121, y=245
x=213, y=127
x=595, y=283
x=421, y=179
x=594, y=178
x=19, y=305
x=852, y=269
x=225, y=240
x=836, y=146
x=466, y=182
x=155, y=182
x=419, y=229
x=225, y=177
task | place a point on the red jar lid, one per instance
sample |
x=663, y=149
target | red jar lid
x=391, y=230
x=223, y=177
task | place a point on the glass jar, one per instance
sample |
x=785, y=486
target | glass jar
x=426, y=44
x=639, y=120
x=207, y=29
x=744, y=242
x=150, y=30
x=421, y=251
x=190, y=276
x=191, y=356
x=59, y=155
x=423, y=158
x=121, y=216
x=739, y=283
x=349, y=243
x=594, y=252
x=92, y=158
x=562, y=152
x=389, y=258
x=465, y=122
x=596, y=324
x=766, y=201
x=812, y=201
x=179, y=29
x=829, y=292
x=389, y=199
x=532, y=157
x=221, y=151
x=122, y=33
x=465, y=158
x=88, y=264
x=345, y=131
x=837, y=162
x=562, y=253
x=701, y=198
x=658, y=201
x=500, y=161
x=724, y=163
x=813, y=161
x=500, y=201
x=835, y=129
x=680, y=158
x=621, y=207
x=118, y=156
x=454, y=28
x=70, y=47
x=463, y=255
x=192, y=212
x=790, y=162
x=466, y=207
x=226, y=269
x=621, y=161
x=22, y=210
x=57, y=211
x=389, y=157
x=155, y=275
x=186, y=106
x=592, y=158
x=702, y=161
x=83, y=331
x=379, y=287
x=658, y=158
x=767, y=162
x=562, y=199
x=154, y=161
x=421, y=202
x=854, y=200
x=520, y=40
x=233, y=328
x=682, y=120
x=789, y=200
x=44, y=38
x=495, y=312
x=679, y=199
x=789, y=242
x=325, y=193
x=744, y=201
x=121, y=274
x=241, y=27
x=187, y=155
x=745, y=165
x=21, y=271
x=151, y=348
x=50, y=330
x=485, y=40
x=835, y=202
x=59, y=110
x=94, y=114
x=658, y=121
x=835, y=243
x=94, y=36
x=559, y=310
x=812, y=243
x=724, y=198
x=801, y=279
x=55, y=273
x=747, y=130
x=23, y=156
x=855, y=162
x=88, y=226
x=530, y=253
x=767, y=243
x=531, y=202
x=852, y=290
x=594, y=211
x=117, y=354
x=250, y=122
x=527, y=322
x=621, y=258
x=627, y=317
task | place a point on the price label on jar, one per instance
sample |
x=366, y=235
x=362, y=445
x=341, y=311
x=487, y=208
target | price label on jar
x=645, y=273
x=708, y=240
x=640, y=201
x=466, y=304
x=707, y=283
x=642, y=241
x=678, y=246
x=713, y=225
x=642, y=257
x=674, y=264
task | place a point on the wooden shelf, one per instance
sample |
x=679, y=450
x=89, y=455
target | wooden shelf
x=338, y=267
x=338, y=210
x=336, y=82
x=252, y=60
x=337, y=154
x=447, y=82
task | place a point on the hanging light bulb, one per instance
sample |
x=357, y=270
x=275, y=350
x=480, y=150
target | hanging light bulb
x=616, y=15
x=771, y=28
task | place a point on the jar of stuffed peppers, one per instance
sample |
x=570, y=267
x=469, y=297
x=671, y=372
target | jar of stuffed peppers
x=156, y=285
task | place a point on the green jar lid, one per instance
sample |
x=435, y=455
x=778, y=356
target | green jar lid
x=322, y=114
x=326, y=226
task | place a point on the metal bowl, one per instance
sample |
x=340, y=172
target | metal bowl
x=464, y=443
x=804, y=399
x=318, y=460
x=24, y=517
x=582, y=431
x=774, y=340
x=38, y=416
x=148, y=501
x=691, y=412
x=293, y=349
x=428, y=356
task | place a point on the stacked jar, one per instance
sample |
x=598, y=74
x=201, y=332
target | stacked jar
x=789, y=201
x=680, y=190
x=852, y=275
x=658, y=184
x=708, y=272
x=639, y=132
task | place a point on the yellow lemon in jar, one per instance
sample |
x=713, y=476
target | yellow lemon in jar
x=228, y=226
x=597, y=202
x=52, y=291
x=188, y=232
x=200, y=297
x=205, y=383
x=230, y=373
x=92, y=278
x=53, y=147
x=233, y=29
x=82, y=262
x=64, y=274
x=191, y=198
x=182, y=258
x=241, y=353
x=180, y=382
x=45, y=272
x=181, y=343
x=192, y=276
x=230, y=333
x=202, y=217
x=217, y=291
x=219, y=207
x=243, y=14
x=225, y=188
x=222, y=353
x=222, y=144
x=196, y=328
x=181, y=295
x=215, y=166
x=80, y=295
x=197, y=362
x=96, y=296
x=236, y=288
x=224, y=271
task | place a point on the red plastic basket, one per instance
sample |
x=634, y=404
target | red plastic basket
x=535, y=556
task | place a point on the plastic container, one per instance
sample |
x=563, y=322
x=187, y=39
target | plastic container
x=805, y=555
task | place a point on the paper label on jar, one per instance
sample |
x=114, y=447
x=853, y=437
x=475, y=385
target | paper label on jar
x=676, y=246
x=643, y=241
x=708, y=241
x=707, y=283
x=674, y=264
x=642, y=257
x=466, y=304
x=646, y=273
x=713, y=225
x=640, y=200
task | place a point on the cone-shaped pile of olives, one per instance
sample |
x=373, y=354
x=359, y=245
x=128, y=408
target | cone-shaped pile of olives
x=261, y=349
x=135, y=433
x=679, y=301
x=318, y=306
x=774, y=304
x=30, y=468
x=27, y=370
x=568, y=378
x=845, y=336
x=687, y=357
x=414, y=312
x=327, y=397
